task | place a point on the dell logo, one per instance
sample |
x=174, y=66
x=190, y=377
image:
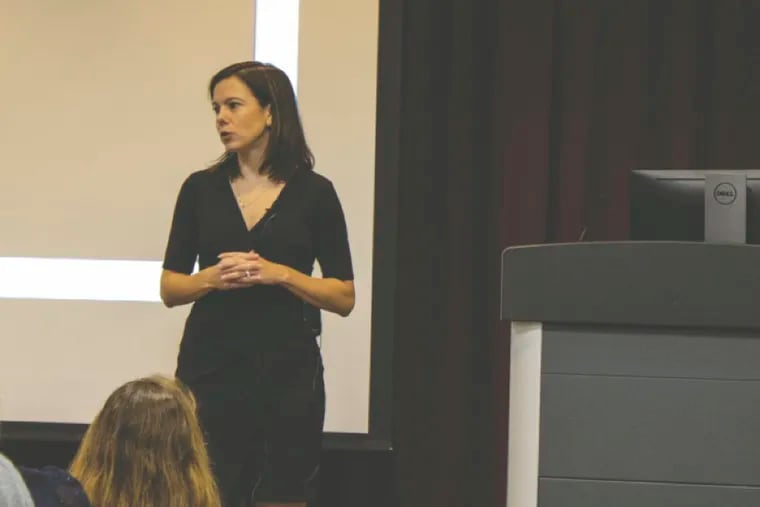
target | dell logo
x=724, y=193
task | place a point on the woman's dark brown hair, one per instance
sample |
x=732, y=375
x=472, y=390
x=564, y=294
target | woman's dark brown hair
x=287, y=151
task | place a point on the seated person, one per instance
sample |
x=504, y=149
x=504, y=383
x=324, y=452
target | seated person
x=13, y=491
x=53, y=487
x=46, y=487
x=145, y=448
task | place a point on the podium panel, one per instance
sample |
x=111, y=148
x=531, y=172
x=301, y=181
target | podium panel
x=634, y=388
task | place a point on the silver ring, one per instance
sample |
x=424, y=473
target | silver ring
x=247, y=274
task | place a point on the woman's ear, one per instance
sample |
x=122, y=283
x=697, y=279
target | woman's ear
x=269, y=116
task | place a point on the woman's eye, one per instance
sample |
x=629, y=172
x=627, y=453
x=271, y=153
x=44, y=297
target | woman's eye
x=233, y=105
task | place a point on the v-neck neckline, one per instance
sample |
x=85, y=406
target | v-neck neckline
x=267, y=214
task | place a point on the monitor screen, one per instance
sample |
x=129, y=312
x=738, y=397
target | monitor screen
x=669, y=205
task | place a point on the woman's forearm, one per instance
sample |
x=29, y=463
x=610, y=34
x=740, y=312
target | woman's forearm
x=329, y=294
x=181, y=289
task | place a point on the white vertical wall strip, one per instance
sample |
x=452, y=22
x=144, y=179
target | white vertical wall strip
x=276, y=35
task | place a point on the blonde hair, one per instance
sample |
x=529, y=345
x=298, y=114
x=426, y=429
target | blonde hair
x=146, y=448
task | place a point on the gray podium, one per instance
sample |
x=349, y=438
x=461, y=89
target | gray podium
x=635, y=374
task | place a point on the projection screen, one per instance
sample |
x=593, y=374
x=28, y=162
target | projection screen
x=104, y=114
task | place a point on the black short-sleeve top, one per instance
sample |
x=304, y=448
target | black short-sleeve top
x=305, y=223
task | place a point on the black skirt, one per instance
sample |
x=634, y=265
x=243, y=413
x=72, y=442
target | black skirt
x=262, y=412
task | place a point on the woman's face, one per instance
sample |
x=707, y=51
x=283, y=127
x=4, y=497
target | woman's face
x=240, y=120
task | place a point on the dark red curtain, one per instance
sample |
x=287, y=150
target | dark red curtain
x=519, y=123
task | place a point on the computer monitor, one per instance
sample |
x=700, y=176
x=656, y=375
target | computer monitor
x=673, y=205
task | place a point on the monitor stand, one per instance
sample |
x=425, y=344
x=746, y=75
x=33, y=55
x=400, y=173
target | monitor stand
x=726, y=208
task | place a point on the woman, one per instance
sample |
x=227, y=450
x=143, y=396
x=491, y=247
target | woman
x=146, y=448
x=256, y=221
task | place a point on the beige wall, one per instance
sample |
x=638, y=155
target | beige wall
x=104, y=114
x=337, y=90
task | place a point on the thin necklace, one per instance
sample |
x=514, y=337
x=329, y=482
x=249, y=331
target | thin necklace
x=243, y=203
